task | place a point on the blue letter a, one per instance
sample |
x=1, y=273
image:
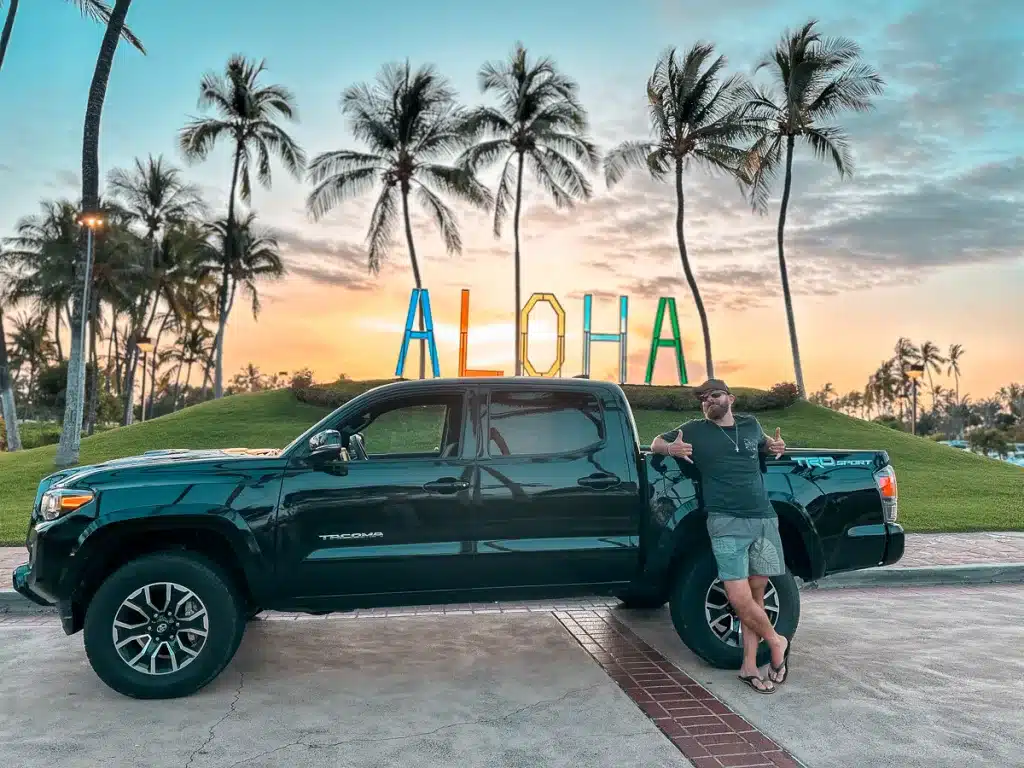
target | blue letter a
x=421, y=296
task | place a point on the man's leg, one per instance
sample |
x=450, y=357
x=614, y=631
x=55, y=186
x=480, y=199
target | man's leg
x=766, y=560
x=755, y=620
x=750, y=640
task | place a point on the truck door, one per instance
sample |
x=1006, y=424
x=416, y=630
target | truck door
x=557, y=505
x=395, y=523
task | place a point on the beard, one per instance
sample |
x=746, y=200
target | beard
x=717, y=411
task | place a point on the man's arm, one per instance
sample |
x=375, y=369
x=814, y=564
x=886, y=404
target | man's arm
x=762, y=440
x=660, y=443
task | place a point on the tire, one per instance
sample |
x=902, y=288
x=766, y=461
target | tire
x=193, y=577
x=724, y=650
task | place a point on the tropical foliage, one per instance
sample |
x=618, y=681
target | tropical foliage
x=888, y=398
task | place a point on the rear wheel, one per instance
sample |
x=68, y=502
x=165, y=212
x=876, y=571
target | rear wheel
x=706, y=622
x=163, y=626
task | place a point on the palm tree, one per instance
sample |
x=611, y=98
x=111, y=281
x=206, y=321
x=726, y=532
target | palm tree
x=694, y=118
x=815, y=79
x=255, y=256
x=932, y=360
x=71, y=429
x=8, y=410
x=156, y=197
x=539, y=122
x=97, y=10
x=956, y=352
x=410, y=122
x=247, y=116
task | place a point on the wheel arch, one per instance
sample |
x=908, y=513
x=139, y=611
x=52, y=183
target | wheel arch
x=107, y=548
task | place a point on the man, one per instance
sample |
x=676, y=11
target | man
x=742, y=524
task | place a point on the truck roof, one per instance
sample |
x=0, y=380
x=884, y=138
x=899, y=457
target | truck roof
x=527, y=382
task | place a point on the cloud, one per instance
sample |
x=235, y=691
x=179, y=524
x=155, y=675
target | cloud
x=335, y=263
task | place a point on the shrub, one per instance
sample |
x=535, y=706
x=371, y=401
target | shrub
x=640, y=396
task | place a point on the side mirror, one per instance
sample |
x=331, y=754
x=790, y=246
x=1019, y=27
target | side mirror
x=325, y=446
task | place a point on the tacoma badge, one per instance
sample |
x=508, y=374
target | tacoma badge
x=344, y=536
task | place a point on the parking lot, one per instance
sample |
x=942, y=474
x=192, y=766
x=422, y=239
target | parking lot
x=925, y=677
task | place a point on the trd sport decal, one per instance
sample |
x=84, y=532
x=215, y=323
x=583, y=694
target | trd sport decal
x=829, y=461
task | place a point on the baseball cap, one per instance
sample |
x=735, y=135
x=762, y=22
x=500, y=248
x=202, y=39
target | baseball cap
x=712, y=385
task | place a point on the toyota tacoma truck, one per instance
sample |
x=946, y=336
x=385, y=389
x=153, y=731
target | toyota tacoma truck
x=422, y=492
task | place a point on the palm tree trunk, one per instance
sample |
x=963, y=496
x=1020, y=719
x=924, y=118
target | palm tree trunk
x=515, y=233
x=415, y=274
x=690, y=280
x=7, y=407
x=56, y=335
x=177, y=387
x=787, y=297
x=229, y=247
x=71, y=431
x=5, y=36
x=92, y=389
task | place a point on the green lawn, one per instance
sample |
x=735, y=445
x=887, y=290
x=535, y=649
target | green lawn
x=941, y=489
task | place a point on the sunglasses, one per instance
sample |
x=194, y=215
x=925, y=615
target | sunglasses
x=712, y=396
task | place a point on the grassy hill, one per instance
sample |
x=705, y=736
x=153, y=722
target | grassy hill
x=941, y=488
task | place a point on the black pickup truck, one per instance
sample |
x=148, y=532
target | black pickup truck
x=422, y=492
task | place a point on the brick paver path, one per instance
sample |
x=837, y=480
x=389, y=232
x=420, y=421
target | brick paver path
x=922, y=549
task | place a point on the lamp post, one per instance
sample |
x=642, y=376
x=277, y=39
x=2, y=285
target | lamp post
x=914, y=372
x=145, y=345
x=91, y=222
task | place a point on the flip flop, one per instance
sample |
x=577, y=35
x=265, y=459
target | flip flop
x=785, y=663
x=749, y=680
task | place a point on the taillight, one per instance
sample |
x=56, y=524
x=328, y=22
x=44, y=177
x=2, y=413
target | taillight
x=885, y=478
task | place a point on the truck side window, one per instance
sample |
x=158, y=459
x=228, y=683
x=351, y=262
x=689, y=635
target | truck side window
x=418, y=426
x=543, y=423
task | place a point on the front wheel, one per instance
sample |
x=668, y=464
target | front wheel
x=706, y=622
x=163, y=626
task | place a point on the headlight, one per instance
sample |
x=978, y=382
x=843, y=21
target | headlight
x=60, y=502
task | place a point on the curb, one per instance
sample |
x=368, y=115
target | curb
x=922, y=576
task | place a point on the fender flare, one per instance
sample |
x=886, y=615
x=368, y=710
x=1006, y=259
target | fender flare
x=102, y=537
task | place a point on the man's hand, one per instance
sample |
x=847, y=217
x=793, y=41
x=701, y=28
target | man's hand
x=679, y=449
x=775, y=444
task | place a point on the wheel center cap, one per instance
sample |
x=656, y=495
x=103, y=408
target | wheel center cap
x=161, y=628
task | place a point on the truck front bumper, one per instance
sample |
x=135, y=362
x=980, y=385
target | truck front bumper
x=24, y=585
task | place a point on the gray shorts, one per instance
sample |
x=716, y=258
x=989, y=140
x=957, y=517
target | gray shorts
x=745, y=547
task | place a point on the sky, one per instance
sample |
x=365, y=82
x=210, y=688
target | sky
x=923, y=241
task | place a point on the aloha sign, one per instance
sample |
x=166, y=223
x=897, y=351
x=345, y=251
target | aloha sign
x=420, y=299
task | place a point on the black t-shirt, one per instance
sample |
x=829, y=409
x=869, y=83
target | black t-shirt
x=729, y=462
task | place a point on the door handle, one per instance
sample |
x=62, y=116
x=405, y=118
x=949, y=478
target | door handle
x=599, y=481
x=446, y=485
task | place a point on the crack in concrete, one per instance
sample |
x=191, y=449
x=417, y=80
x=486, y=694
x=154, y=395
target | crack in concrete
x=421, y=734
x=213, y=728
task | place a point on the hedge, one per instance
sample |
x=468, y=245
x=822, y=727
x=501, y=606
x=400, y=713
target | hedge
x=641, y=397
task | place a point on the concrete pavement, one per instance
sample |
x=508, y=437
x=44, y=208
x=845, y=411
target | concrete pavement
x=415, y=692
x=887, y=678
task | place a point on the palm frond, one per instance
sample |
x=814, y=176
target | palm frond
x=831, y=144
x=335, y=188
x=458, y=182
x=443, y=218
x=382, y=226
x=99, y=11
x=628, y=154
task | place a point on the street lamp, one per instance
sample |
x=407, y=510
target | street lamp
x=914, y=372
x=145, y=345
x=91, y=222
